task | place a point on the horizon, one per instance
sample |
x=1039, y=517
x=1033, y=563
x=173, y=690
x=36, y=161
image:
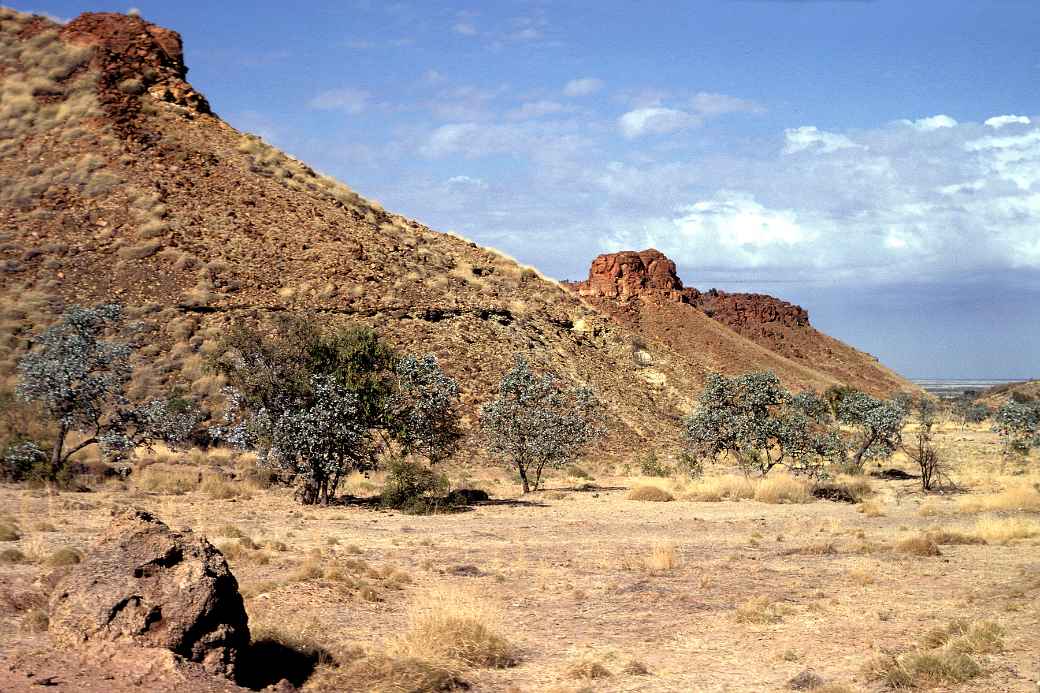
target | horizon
x=877, y=163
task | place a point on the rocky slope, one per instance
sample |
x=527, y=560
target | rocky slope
x=120, y=183
x=642, y=292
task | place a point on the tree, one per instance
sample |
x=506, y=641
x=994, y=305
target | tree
x=425, y=407
x=970, y=411
x=922, y=450
x=757, y=421
x=79, y=380
x=878, y=423
x=535, y=422
x=315, y=404
x=1018, y=424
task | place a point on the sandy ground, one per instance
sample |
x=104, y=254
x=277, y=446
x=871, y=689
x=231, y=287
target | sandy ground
x=562, y=575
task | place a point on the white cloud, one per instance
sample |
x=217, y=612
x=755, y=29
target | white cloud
x=1014, y=158
x=655, y=120
x=582, y=87
x=997, y=122
x=536, y=109
x=810, y=137
x=709, y=104
x=350, y=100
x=934, y=122
x=467, y=182
x=465, y=29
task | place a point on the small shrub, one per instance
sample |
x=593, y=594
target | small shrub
x=63, y=557
x=588, y=669
x=649, y=493
x=759, y=610
x=649, y=465
x=9, y=533
x=413, y=487
x=920, y=545
x=12, y=556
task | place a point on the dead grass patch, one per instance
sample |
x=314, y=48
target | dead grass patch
x=649, y=493
x=1024, y=497
x=783, y=488
x=759, y=610
x=1001, y=530
x=720, y=488
x=453, y=627
x=945, y=656
x=589, y=670
x=919, y=545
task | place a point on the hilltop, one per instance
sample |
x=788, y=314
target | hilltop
x=122, y=184
x=712, y=329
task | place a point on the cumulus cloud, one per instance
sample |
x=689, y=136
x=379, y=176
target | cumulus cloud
x=997, y=122
x=348, y=99
x=655, y=120
x=810, y=137
x=582, y=87
x=935, y=122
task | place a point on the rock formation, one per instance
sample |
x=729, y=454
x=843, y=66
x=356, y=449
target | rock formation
x=146, y=585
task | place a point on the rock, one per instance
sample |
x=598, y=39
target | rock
x=805, y=681
x=147, y=585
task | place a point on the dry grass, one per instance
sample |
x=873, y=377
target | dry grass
x=588, y=669
x=380, y=673
x=720, y=488
x=783, y=488
x=1024, y=497
x=1001, y=530
x=166, y=479
x=662, y=558
x=759, y=610
x=919, y=545
x=649, y=493
x=946, y=656
x=453, y=627
x=870, y=509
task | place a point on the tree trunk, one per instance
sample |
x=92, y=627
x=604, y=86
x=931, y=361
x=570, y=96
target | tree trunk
x=59, y=445
x=523, y=479
x=538, y=477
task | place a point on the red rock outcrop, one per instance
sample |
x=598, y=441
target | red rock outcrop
x=650, y=274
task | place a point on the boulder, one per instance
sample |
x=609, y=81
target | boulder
x=146, y=585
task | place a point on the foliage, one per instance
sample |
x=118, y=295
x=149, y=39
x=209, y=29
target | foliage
x=878, y=425
x=922, y=450
x=310, y=402
x=1018, y=424
x=425, y=406
x=755, y=419
x=970, y=411
x=78, y=378
x=649, y=465
x=535, y=422
x=413, y=487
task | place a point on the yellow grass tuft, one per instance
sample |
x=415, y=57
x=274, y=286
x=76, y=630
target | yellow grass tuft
x=649, y=493
x=783, y=488
x=760, y=610
x=1002, y=530
x=1022, y=497
x=919, y=545
x=719, y=488
x=454, y=627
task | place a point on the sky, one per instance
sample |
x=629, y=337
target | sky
x=876, y=162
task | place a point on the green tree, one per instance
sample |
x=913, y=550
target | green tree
x=878, y=426
x=78, y=378
x=536, y=422
x=756, y=420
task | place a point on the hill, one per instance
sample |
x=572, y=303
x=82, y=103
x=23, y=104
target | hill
x=120, y=183
x=995, y=396
x=642, y=292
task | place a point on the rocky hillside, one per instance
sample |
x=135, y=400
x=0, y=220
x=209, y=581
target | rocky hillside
x=642, y=292
x=120, y=183
x=997, y=395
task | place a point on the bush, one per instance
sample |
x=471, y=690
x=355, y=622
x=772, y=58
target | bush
x=1018, y=424
x=413, y=488
x=649, y=465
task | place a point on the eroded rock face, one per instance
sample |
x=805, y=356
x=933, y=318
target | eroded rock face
x=649, y=274
x=144, y=584
x=129, y=49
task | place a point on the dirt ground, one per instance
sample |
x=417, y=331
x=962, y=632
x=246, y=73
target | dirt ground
x=748, y=594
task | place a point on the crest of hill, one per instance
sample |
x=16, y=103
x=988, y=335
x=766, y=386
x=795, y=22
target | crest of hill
x=122, y=184
x=995, y=396
x=642, y=292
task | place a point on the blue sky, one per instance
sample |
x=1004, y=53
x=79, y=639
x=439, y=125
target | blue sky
x=877, y=162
